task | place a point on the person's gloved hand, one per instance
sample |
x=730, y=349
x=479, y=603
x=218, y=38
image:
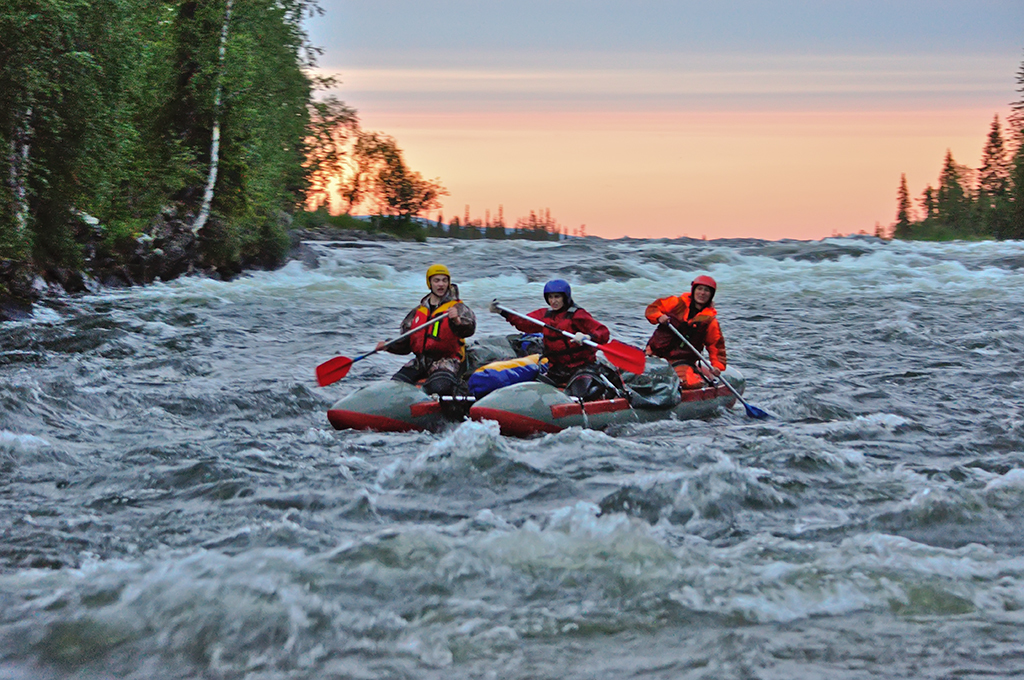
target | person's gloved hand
x=579, y=338
x=494, y=306
x=709, y=372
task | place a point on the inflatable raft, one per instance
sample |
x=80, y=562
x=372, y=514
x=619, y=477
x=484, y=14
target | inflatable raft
x=520, y=410
x=534, y=408
x=389, y=406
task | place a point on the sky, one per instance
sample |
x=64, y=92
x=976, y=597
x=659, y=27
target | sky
x=663, y=118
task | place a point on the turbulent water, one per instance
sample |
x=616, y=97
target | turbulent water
x=175, y=503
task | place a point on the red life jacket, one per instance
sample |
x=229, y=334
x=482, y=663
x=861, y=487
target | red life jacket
x=558, y=348
x=438, y=341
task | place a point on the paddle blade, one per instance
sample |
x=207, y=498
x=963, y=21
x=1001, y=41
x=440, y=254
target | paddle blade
x=624, y=356
x=332, y=370
x=755, y=412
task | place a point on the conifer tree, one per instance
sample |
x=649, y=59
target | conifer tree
x=903, y=228
x=993, y=184
x=928, y=205
x=952, y=202
x=1016, y=120
x=1015, y=222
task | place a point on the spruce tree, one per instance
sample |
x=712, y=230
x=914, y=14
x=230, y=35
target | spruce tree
x=994, y=183
x=903, y=228
x=1016, y=121
x=952, y=202
x=1015, y=223
x=928, y=206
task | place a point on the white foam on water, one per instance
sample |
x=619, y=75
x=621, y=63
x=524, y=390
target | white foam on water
x=866, y=426
x=22, y=443
x=722, y=487
x=452, y=456
x=487, y=270
x=1005, y=492
x=772, y=580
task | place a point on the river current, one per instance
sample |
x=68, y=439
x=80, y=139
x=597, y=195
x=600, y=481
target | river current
x=174, y=503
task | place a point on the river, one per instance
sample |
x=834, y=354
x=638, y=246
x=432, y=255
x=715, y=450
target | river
x=176, y=505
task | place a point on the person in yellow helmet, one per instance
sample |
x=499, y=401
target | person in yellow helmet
x=440, y=349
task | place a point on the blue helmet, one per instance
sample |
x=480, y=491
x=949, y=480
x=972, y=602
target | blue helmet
x=559, y=286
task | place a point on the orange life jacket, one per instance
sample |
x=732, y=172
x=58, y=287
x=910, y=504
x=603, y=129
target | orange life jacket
x=701, y=330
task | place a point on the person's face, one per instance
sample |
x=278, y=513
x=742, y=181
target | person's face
x=439, y=285
x=555, y=301
x=702, y=294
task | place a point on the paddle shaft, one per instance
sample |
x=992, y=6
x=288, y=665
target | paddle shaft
x=707, y=363
x=403, y=336
x=337, y=368
x=619, y=354
x=586, y=341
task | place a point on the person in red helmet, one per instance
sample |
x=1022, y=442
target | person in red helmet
x=566, y=356
x=694, y=315
x=440, y=349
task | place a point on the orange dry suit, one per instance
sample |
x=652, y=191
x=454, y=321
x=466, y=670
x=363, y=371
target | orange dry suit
x=700, y=327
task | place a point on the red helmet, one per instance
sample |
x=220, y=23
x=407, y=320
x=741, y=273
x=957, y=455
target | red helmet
x=704, y=280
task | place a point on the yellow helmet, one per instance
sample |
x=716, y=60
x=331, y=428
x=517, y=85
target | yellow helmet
x=435, y=269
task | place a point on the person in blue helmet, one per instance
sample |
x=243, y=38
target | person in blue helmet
x=566, y=356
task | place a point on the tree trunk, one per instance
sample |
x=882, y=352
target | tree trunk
x=211, y=180
x=18, y=162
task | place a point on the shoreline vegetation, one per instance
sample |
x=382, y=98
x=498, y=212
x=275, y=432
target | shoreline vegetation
x=968, y=203
x=143, y=141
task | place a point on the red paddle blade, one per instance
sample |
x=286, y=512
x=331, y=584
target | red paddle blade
x=624, y=356
x=332, y=370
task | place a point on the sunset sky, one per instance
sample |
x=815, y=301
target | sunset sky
x=658, y=118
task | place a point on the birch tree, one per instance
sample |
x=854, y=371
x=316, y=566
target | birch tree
x=211, y=179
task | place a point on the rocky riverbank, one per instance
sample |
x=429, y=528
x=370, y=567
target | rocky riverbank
x=166, y=251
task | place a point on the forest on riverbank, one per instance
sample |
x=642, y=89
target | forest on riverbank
x=147, y=139
x=969, y=203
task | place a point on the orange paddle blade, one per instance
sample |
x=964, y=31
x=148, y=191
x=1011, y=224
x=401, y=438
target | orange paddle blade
x=333, y=370
x=624, y=356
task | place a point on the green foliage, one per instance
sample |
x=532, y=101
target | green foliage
x=108, y=107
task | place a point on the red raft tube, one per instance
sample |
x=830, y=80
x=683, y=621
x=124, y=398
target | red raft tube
x=535, y=408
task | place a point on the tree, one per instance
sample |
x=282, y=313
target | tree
x=383, y=179
x=52, y=106
x=1016, y=120
x=994, y=173
x=903, y=227
x=120, y=107
x=952, y=201
x=993, y=205
x=928, y=205
x=333, y=132
x=211, y=178
x=1015, y=222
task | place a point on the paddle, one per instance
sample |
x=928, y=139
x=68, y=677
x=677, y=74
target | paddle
x=333, y=370
x=752, y=411
x=620, y=354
